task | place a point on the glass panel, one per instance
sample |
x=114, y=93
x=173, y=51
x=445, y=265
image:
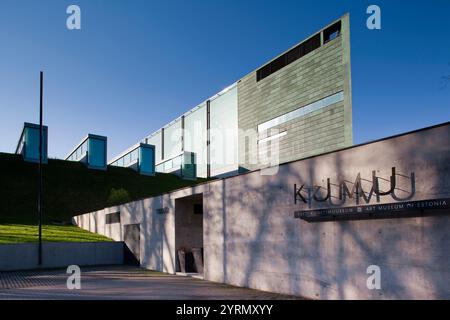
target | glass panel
x=32, y=143
x=126, y=159
x=146, y=163
x=177, y=161
x=224, y=133
x=172, y=140
x=195, y=138
x=156, y=141
x=134, y=155
x=188, y=169
x=96, y=154
x=168, y=165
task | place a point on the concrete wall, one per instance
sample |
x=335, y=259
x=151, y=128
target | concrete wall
x=24, y=256
x=321, y=73
x=158, y=245
x=252, y=239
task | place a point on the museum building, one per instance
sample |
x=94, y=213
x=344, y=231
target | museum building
x=314, y=222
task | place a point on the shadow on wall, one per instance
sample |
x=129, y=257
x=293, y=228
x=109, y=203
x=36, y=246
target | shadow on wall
x=155, y=235
x=264, y=247
x=251, y=238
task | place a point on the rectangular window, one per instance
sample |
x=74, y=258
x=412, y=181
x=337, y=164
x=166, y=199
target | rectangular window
x=302, y=111
x=111, y=218
x=332, y=32
x=292, y=55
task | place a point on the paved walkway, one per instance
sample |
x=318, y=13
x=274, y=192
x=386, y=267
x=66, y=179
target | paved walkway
x=120, y=282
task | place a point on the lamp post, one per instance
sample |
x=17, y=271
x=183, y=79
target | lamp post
x=41, y=133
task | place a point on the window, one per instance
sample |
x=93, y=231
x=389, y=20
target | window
x=112, y=218
x=302, y=111
x=294, y=54
x=332, y=32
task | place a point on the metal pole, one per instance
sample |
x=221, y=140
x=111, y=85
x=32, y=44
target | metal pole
x=41, y=132
x=208, y=138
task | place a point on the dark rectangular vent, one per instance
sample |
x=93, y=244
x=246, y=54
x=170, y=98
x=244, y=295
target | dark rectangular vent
x=296, y=53
x=332, y=32
x=112, y=218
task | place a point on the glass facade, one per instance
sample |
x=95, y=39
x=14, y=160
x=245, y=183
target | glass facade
x=224, y=133
x=140, y=158
x=189, y=168
x=91, y=151
x=195, y=138
x=147, y=159
x=170, y=165
x=156, y=140
x=182, y=165
x=189, y=133
x=28, y=145
x=80, y=153
x=97, y=153
x=172, y=140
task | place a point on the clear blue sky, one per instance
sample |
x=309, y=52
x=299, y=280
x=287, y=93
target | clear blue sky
x=136, y=65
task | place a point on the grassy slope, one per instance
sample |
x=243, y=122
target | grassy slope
x=69, y=188
x=13, y=233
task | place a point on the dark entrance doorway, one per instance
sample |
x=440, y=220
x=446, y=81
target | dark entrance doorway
x=189, y=234
x=132, y=239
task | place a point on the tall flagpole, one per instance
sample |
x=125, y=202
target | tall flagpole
x=41, y=132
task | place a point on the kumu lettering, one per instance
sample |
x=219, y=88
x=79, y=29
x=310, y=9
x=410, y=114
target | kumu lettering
x=356, y=192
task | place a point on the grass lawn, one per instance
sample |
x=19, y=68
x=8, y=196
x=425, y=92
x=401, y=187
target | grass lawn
x=16, y=233
x=69, y=189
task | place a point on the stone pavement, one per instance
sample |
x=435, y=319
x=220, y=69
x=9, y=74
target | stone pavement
x=120, y=282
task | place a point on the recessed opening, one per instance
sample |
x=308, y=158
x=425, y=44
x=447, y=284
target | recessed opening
x=132, y=240
x=332, y=32
x=189, y=234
